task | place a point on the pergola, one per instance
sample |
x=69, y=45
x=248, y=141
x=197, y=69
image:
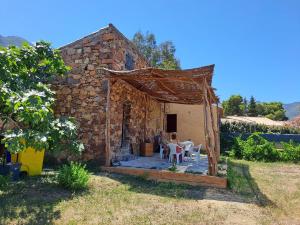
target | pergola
x=192, y=86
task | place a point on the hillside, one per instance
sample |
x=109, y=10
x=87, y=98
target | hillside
x=292, y=109
x=11, y=40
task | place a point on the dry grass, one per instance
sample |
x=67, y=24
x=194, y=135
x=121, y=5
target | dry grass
x=261, y=194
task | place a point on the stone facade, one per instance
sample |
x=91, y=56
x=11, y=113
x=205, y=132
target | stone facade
x=83, y=94
x=145, y=117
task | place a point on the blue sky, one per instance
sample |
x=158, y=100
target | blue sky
x=254, y=44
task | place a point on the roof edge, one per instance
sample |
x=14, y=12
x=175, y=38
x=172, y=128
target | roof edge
x=86, y=36
x=110, y=25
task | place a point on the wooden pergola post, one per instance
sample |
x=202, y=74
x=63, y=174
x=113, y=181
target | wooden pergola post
x=107, y=132
x=210, y=134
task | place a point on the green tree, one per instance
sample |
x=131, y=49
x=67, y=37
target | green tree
x=159, y=56
x=252, y=111
x=260, y=108
x=274, y=110
x=245, y=106
x=26, y=100
x=233, y=106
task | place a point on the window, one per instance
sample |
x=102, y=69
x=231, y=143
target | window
x=129, y=62
x=171, y=123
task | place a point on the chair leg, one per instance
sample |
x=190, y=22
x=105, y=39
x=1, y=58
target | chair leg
x=198, y=157
x=177, y=158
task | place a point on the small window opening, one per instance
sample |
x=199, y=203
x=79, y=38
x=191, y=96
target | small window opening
x=171, y=123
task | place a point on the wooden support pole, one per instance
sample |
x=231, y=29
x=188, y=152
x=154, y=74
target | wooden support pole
x=218, y=150
x=213, y=119
x=209, y=132
x=107, y=144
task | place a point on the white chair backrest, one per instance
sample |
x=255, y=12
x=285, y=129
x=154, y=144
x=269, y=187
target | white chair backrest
x=187, y=145
x=172, y=148
x=198, y=148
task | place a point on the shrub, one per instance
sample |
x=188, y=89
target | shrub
x=236, y=148
x=73, y=176
x=254, y=148
x=242, y=127
x=291, y=152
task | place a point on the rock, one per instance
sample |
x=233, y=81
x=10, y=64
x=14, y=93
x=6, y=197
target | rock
x=90, y=67
x=87, y=49
x=71, y=51
x=86, y=61
x=77, y=61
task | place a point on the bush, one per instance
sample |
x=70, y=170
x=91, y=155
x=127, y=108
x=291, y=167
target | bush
x=73, y=176
x=291, y=152
x=254, y=148
x=3, y=182
x=242, y=127
x=236, y=148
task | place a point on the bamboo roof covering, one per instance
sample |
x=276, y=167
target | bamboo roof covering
x=170, y=86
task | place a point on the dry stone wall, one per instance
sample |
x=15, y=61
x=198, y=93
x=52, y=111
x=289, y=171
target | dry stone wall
x=144, y=110
x=83, y=93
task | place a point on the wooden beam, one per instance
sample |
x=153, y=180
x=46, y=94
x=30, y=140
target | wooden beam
x=215, y=142
x=209, y=134
x=163, y=86
x=168, y=176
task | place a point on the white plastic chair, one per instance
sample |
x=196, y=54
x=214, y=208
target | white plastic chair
x=161, y=151
x=188, y=145
x=173, y=152
x=196, y=152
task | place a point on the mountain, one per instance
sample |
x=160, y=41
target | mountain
x=292, y=109
x=12, y=40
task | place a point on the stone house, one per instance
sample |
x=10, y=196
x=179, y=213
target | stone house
x=120, y=102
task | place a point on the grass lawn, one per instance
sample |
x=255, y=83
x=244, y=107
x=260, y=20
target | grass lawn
x=261, y=193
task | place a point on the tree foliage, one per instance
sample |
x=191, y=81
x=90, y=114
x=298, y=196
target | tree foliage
x=236, y=105
x=272, y=110
x=252, y=111
x=159, y=56
x=26, y=100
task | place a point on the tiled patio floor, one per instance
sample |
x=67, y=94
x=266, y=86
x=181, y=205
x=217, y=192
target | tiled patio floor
x=188, y=165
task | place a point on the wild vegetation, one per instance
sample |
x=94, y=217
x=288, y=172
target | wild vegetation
x=26, y=100
x=256, y=148
x=73, y=176
x=260, y=193
x=239, y=106
x=241, y=127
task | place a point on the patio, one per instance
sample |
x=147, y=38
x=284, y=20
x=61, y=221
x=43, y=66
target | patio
x=155, y=162
x=137, y=125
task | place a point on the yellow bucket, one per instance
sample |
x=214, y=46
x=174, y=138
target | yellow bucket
x=31, y=161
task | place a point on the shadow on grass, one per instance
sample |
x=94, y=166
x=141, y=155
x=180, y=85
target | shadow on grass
x=32, y=201
x=240, y=181
x=140, y=184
